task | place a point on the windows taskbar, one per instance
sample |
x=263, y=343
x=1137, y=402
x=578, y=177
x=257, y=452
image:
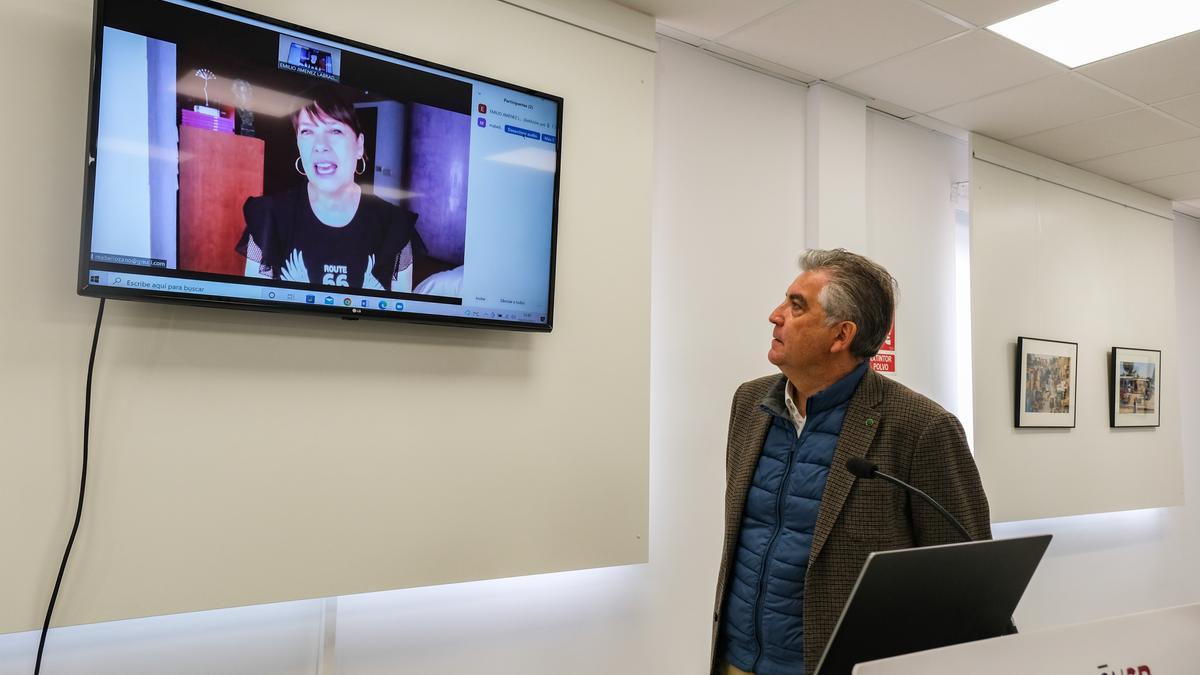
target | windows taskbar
x=285, y=296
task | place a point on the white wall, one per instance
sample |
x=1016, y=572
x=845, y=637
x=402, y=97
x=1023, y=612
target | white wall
x=278, y=639
x=1115, y=563
x=728, y=219
x=227, y=444
x=728, y=223
x=835, y=210
x=1057, y=263
x=910, y=230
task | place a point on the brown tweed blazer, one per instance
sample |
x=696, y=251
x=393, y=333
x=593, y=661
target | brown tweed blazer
x=907, y=436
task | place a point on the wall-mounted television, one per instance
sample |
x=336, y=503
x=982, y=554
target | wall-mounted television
x=241, y=161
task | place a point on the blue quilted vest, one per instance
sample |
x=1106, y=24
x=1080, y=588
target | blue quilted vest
x=762, y=628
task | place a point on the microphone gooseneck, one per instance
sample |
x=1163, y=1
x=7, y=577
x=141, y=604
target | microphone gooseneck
x=864, y=468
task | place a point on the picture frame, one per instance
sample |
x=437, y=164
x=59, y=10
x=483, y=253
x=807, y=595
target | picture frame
x=1046, y=383
x=1134, y=386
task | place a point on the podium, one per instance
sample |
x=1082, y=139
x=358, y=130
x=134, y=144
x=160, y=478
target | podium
x=1159, y=642
x=917, y=599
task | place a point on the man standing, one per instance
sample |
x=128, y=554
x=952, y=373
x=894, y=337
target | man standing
x=798, y=525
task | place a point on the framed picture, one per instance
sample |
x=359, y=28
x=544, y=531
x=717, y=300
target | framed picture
x=1136, y=379
x=1046, y=375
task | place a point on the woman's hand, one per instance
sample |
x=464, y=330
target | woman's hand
x=294, y=269
x=369, y=280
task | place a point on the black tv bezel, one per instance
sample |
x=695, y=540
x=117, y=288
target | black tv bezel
x=85, y=288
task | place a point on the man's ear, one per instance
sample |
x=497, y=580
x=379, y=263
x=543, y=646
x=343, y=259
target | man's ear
x=846, y=330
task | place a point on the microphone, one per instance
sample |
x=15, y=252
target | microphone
x=864, y=468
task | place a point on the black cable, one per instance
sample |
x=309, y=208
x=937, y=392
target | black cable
x=87, y=419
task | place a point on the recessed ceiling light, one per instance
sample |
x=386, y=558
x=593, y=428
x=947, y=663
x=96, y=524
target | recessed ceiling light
x=1075, y=32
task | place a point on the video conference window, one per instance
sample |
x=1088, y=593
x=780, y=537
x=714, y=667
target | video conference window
x=281, y=159
x=309, y=57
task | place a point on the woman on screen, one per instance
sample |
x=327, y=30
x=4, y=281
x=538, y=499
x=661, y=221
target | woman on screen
x=327, y=231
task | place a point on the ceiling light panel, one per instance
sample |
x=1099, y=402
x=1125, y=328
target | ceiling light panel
x=1076, y=32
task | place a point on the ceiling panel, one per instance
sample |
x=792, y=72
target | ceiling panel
x=760, y=64
x=829, y=38
x=1039, y=105
x=1182, y=187
x=986, y=12
x=1144, y=164
x=1191, y=208
x=962, y=68
x=1186, y=108
x=917, y=59
x=705, y=18
x=1161, y=71
x=1105, y=136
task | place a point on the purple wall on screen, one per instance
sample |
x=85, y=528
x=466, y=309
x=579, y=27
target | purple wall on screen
x=439, y=152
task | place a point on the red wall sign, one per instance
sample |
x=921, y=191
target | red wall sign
x=884, y=363
x=885, y=360
x=889, y=343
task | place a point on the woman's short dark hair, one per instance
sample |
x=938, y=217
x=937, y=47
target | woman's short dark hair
x=326, y=101
x=859, y=290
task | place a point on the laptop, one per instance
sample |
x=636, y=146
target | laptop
x=910, y=600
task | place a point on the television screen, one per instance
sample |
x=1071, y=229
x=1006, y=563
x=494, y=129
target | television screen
x=241, y=161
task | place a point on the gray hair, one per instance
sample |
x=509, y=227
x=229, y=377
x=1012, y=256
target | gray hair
x=859, y=290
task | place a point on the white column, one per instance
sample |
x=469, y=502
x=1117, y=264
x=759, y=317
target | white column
x=836, y=194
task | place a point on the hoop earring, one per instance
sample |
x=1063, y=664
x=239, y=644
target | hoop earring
x=299, y=169
x=359, y=172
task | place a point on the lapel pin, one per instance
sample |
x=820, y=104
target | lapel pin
x=870, y=421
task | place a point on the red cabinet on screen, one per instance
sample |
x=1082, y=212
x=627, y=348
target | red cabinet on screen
x=217, y=172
